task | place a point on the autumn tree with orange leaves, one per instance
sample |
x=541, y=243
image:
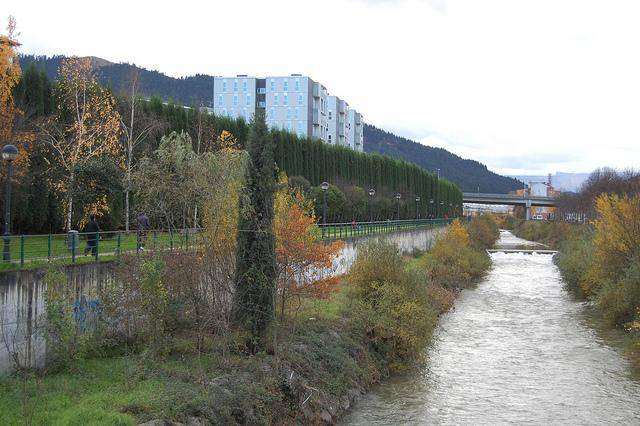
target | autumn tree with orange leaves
x=9, y=114
x=300, y=256
x=86, y=126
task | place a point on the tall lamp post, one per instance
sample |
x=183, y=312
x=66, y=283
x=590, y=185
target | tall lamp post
x=9, y=153
x=437, y=192
x=324, y=186
x=397, y=197
x=372, y=192
x=417, y=207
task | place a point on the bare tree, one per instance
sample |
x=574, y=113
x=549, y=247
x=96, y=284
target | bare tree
x=135, y=130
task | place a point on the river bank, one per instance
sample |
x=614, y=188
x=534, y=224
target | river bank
x=599, y=263
x=322, y=358
x=518, y=348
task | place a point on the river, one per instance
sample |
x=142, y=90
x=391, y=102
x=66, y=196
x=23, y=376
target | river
x=518, y=348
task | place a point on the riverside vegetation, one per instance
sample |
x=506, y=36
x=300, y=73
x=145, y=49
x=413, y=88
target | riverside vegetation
x=174, y=354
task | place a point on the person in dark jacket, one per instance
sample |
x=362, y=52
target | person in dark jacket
x=143, y=225
x=91, y=229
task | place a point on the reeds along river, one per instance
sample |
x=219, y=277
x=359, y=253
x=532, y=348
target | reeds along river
x=517, y=349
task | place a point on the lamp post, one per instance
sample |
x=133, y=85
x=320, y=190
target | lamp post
x=417, y=207
x=397, y=197
x=437, y=192
x=9, y=153
x=324, y=186
x=372, y=192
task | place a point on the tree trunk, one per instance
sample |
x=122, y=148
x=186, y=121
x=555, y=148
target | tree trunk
x=126, y=210
x=70, y=201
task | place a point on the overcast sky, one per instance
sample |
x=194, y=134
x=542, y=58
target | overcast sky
x=522, y=86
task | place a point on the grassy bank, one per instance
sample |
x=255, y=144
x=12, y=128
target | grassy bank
x=321, y=355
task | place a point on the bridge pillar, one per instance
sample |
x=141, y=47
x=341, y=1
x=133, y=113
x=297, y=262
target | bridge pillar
x=527, y=209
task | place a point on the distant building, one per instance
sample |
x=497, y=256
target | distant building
x=539, y=189
x=295, y=103
x=355, y=131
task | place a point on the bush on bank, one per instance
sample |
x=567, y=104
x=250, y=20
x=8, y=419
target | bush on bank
x=456, y=260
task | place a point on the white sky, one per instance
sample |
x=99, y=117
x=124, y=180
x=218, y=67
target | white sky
x=523, y=86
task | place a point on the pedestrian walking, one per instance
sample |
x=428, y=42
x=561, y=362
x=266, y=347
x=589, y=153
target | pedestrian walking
x=91, y=229
x=143, y=225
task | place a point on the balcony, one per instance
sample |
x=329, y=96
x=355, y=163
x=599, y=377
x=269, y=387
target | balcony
x=261, y=90
x=316, y=116
x=262, y=104
x=316, y=90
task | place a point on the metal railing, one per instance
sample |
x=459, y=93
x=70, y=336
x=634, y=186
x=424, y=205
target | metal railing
x=77, y=247
x=74, y=246
x=356, y=229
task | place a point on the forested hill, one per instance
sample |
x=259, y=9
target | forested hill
x=196, y=90
x=467, y=174
x=192, y=90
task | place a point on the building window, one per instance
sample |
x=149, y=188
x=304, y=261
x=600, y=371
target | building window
x=297, y=114
x=244, y=85
x=273, y=85
x=297, y=84
x=285, y=99
x=288, y=113
x=330, y=115
x=248, y=100
x=290, y=126
x=300, y=99
x=285, y=85
x=220, y=100
x=272, y=114
x=299, y=127
x=275, y=99
x=224, y=85
x=235, y=85
x=235, y=100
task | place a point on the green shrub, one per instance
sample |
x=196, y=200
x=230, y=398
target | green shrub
x=453, y=262
x=484, y=231
x=573, y=260
x=391, y=305
x=66, y=341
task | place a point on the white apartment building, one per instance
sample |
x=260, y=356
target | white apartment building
x=355, y=131
x=294, y=103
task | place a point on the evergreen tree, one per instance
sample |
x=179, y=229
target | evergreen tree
x=255, y=259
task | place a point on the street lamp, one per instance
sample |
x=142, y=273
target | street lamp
x=324, y=186
x=397, y=197
x=372, y=192
x=417, y=208
x=9, y=153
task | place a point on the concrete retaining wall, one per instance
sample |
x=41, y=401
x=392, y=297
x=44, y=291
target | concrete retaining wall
x=22, y=294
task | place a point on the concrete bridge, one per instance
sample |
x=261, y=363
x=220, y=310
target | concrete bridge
x=526, y=201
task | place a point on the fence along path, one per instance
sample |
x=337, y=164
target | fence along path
x=75, y=247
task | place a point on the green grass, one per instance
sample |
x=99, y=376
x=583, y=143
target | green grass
x=100, y=390
x=222, y=386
